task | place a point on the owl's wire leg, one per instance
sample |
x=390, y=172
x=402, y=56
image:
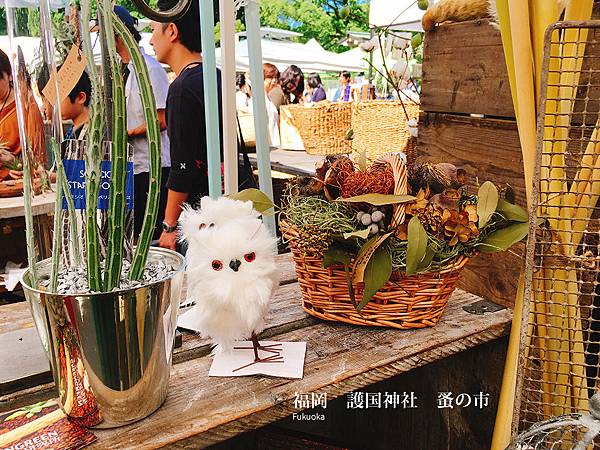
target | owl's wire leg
x=276, y=356
x=255, y=345
x=276, y=349
x=267, y=348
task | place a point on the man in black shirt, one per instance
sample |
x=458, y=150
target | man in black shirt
x=178, y=45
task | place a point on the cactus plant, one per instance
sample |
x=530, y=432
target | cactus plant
x=101, y=119
x=153, y=134
x=116, y=216
x=93, y=153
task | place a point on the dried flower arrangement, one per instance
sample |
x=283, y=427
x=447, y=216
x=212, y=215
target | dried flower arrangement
x=386, y=223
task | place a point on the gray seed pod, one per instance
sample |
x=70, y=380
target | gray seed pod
x=359, y=215
x=374, y=228
x=366, y=219
x=377, y=216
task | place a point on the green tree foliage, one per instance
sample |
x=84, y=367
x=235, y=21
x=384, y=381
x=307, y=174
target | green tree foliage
x=327, y=21
x=239, y=26
x=22, y=21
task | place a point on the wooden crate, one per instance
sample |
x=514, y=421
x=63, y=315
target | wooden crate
x=464, y=73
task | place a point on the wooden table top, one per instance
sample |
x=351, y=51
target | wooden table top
x=13, y=206
x=340, y=358
x=291, y=161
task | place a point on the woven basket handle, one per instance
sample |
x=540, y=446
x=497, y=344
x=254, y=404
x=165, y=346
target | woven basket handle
x=395, y=160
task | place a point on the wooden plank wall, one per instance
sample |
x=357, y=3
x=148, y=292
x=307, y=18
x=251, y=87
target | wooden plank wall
x=464, y=73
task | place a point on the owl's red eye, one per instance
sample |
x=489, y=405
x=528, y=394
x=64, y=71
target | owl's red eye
x=249, y=257
x=217, y=265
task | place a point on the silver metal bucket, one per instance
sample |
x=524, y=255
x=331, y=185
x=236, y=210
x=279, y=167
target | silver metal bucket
x=110, y=353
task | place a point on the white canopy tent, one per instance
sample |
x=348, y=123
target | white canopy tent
x=310, y=57
x=54, y=4
x=403, y=15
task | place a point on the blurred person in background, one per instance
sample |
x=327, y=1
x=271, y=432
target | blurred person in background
x=178, y=45
x=271, y=75
x=316, y=92
x=290, y=89
x=10, y=143
x=243, y=95
x=343, y=92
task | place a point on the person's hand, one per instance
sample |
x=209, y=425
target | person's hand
x=15, y=174
x=168, y=240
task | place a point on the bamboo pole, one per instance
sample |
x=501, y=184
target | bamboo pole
x=543, y=13
x=516, y=36
x=523, y=64
x=230, y=151
x=504, y=23
x=502, y=425
x=561, y=338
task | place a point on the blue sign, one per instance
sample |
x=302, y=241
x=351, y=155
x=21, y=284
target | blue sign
x=75, y=172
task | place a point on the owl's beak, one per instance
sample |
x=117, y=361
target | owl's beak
x=235, y=264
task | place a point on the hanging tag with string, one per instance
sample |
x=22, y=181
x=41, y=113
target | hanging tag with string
x=67, y=76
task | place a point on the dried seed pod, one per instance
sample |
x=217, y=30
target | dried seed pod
x=446, y=200
x=373, y=228
x=437, y=177
x=366, y=219
x=359, y=215
x=377, y=216
x=306, y=186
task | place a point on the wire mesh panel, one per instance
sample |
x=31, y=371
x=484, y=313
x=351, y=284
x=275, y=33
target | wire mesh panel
x=560, y=340
x=569, y=431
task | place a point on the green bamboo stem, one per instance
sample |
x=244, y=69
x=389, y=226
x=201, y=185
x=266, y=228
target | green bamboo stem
x=93, y=159
x=153, y=135
x=116, y=216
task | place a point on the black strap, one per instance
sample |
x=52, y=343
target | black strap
x=242, y=143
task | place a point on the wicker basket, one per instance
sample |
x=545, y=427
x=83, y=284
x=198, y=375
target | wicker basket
x=323, y=127
x=380, y=126
x=405, y=302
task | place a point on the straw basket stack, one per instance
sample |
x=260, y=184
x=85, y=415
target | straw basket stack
x=375, y=127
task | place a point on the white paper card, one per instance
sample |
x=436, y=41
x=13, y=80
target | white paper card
x=185, y=319
x=293, y=353
x=184, y=307
x=13, y=278
x=169, y=334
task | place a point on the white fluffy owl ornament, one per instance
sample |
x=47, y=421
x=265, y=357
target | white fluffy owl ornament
x=231, y=272
x=213, y=212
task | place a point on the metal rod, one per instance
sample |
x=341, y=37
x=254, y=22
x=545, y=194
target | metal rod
x=230, y=152
x=211, y=104
x=259, y=105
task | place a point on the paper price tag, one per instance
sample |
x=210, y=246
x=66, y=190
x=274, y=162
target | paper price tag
x=67, y=76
